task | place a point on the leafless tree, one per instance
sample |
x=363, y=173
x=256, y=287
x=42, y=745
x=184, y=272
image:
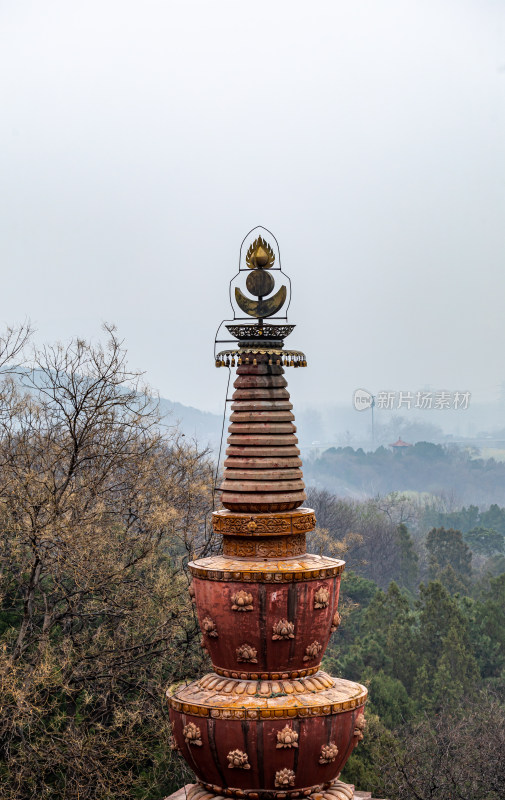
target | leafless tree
x=458, y=754
x=101, y=507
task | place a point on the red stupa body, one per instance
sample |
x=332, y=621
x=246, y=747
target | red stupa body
x=267, y=723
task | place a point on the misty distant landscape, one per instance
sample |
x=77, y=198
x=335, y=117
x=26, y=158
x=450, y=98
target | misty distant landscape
x=464, y=461
x=440, y=470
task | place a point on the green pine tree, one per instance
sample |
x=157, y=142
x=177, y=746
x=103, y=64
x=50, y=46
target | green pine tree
x=409, y=566
x=457, y=675
x=446, y=548
x=439, y=613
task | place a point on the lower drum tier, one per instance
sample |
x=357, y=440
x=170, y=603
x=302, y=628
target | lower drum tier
x=267, y=738
x=266, y=617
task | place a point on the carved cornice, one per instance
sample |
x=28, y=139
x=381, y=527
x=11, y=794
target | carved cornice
x=232, y=700
x=302, y=520
x=289, y=570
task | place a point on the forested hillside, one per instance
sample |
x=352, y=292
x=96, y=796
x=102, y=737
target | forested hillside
x=424, y=467
x=423, y=626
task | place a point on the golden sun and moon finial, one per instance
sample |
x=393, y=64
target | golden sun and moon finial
x=259, y=258
x=256, y=341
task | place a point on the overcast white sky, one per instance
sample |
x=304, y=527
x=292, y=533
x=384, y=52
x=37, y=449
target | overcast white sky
x=140, y=141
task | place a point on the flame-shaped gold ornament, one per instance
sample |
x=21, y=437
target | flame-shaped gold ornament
x=260, y=255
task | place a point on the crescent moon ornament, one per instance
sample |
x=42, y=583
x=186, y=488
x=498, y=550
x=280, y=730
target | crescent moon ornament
x=261, y=308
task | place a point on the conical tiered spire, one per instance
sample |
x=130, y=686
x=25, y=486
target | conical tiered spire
x=262, y=469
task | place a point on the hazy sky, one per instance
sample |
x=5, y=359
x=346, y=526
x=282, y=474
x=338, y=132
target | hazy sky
x=140, y=141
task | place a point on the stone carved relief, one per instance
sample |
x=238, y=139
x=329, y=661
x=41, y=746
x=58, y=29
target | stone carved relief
x=209, y=627
x=227, y=713
x=335, y=622
x=288, y=546
x=278, y=548
x=329, y=752
x=242, y=601
x=322, y=597
x=228, y=524
x=247, y=653
x=359, y=727
x=287, y=737
x=239, y=548
x=272, y=525
x=312, y=651
x=284, y=778
x=192, y=734
x=283, y=630
x=238, y=760
x=305, y=523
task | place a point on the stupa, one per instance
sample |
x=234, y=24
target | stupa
x=267, y=722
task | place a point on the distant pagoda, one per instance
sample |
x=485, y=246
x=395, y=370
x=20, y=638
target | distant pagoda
x=400, y=446
x=267, y=722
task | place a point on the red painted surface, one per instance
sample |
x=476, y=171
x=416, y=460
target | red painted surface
x=290, y=601
x=259, y=739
